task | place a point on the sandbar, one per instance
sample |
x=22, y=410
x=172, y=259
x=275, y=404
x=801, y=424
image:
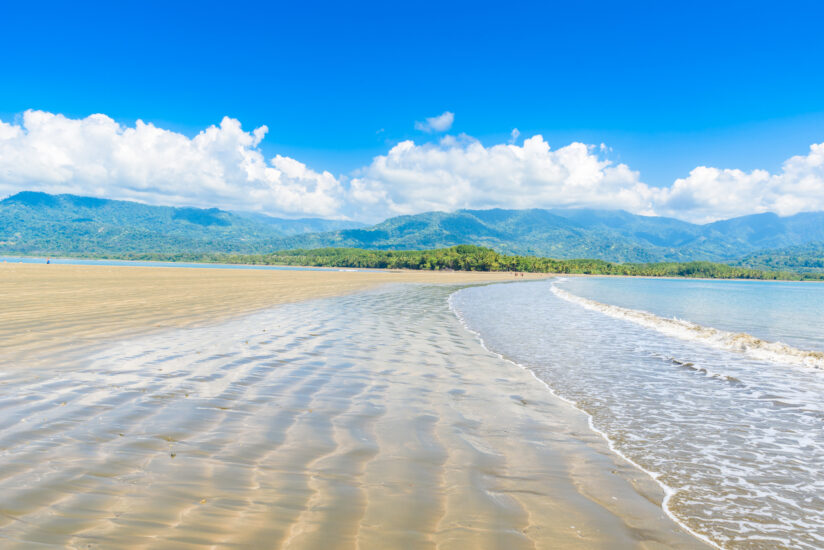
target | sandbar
x=176, y=408
x=56, y=308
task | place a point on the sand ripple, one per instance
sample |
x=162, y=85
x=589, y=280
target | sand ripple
x=368, y=421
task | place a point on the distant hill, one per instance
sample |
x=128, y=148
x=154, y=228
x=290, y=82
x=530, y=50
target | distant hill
x=301, y=225
x=579, y=233
x=808, y=258
x=39, y=223
x=536, y=232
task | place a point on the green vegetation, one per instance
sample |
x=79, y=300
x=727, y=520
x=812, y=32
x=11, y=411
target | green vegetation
x=42, y=224
x=762, y=246
x=800, y=259
x=476, y=258
x=611, y=235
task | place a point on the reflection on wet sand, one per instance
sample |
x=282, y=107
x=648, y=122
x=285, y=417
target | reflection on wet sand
x=50, y=309
x=372, y=421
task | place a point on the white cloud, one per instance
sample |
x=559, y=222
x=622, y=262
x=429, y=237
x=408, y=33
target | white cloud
x=514, y=135
x=440, y=123
x=709, y=194
x=462, y=173
x=221, y=166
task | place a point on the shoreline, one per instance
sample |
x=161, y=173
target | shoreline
x=679, y=403
x=735, y=341
x=671, y=278
x=666, y=490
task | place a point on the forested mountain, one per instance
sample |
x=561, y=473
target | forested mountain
x=807, y=258
x=301, y=225
x=535, y=232
x=37, y=223
x=608, y=235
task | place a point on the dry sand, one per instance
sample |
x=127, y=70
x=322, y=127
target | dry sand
x=48, y=309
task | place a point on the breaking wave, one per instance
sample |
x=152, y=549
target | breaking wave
x=733, y=341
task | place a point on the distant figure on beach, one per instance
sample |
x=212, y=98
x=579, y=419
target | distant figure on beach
x=48, y=261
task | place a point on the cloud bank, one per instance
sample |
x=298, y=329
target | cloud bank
x=460, y=172
x=220, y=166
x=224, y=166
x=709, y=194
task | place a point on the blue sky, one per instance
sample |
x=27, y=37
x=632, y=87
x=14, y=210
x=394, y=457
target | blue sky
x=736, y=85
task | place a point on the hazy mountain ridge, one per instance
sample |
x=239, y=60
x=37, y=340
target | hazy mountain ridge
x=37, y=223
x=535, y=232
x=602, y=234
x=300, y=225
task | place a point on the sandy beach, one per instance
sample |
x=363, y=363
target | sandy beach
x=50, y=309
x=365, y=417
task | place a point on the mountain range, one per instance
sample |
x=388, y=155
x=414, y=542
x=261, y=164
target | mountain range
x=612, y=235
x=38, y=223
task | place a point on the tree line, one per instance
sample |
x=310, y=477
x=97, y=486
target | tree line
x=474, y=258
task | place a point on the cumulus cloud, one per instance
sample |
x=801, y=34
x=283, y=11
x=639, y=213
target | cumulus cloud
x=224, y=166
x=460, y=172
x=709, y=194
x=220, y=166
x=440, y=123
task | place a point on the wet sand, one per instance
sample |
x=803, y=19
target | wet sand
x=50, y=310
x=372, y=420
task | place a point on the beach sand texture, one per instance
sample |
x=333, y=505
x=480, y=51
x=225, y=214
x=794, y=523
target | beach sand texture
x=48, y=309
x=373, y=420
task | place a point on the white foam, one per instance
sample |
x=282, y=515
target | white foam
x=720, y=339
x=656, y=476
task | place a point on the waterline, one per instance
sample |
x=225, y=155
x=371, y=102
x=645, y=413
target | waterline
x=687, y=330
x=736, y=441
x=656, y=477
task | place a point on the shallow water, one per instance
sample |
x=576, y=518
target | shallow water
x=368, y=421
x=737, y=441
x=778, y=311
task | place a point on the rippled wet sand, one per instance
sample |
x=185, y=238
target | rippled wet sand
x=48, y=309
x=373, y=420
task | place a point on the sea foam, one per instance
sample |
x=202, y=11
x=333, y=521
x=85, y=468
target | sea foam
x=720, y=339
x=737, y=445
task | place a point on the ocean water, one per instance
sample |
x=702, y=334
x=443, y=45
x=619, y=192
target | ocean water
x=777, y=311
x=723, y=406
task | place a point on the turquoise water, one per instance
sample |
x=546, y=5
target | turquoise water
x=788, y=312
x=735, y=435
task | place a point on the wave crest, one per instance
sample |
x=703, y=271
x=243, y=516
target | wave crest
x=732, y=341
